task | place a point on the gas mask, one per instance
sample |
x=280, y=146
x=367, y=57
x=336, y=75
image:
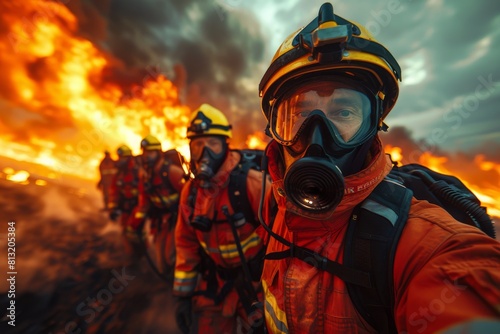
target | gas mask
x=122, y=162
x=207, y=155
x=326, y=129
x=149, y=158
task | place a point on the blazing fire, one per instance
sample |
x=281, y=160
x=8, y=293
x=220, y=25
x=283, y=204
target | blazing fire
x=257, y=141
x=62, y=112
x=485, y=189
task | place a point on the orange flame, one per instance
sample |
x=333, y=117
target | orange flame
x=58, y=77
x=257, y=141
x=487, y=191
x=395, y=153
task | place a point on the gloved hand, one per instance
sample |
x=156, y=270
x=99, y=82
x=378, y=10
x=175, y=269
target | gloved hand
x=114, y=214
x=183, y=316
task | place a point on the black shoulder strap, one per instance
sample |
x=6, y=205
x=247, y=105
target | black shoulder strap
x=164, y=172
x=371, y=241
x=237, y=189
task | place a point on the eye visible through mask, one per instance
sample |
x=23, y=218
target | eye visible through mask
x=349, y=113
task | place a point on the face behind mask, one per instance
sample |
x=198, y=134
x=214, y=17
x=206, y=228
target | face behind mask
x=149, y=158
x=207, y=155
x=325, y=126
x=316, y=167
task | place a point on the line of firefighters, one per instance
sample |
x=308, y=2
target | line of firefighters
x=212, y=250
x=347, y=248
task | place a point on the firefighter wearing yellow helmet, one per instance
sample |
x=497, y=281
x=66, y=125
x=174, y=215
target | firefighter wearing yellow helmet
x=218, y=286
x=161, y=180
x=125, y=192
x=209, y=132
x=325, y=96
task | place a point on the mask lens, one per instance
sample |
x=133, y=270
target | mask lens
x=197, y=145
x=348, y=111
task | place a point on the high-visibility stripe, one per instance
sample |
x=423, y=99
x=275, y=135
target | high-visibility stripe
x=231, y=251
x=185, y=281
x=139, y=214
x=185, y=274
x=275, y=317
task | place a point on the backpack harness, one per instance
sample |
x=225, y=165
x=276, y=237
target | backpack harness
x=241, y=277
x=373, y=235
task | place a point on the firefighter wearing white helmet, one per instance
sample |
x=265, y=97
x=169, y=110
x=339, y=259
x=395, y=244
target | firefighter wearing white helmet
x=325, y=96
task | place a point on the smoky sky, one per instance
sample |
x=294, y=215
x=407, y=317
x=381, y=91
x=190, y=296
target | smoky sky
x=215, y=50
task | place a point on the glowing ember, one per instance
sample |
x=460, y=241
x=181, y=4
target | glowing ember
x=41, y=183
x=8, y=170
x=395, y=153
x=257, y=140
x=19, y=176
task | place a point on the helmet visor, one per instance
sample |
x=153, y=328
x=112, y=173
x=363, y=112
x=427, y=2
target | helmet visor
x=349, y=111
x=214, y=143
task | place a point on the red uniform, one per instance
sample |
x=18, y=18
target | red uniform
x=159, y=189
x=124, y=192
x=107, y=170
x=219, y=244
x=445, y=272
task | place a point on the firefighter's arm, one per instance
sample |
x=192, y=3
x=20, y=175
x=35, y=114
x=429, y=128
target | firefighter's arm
x=143, y=204
x=186, y=246
x=176, y=177
x=114, y=193
x=114, y=197
x=450, y=277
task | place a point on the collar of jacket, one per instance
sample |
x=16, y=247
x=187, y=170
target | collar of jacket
x=357, y=188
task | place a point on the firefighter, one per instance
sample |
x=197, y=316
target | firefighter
x=161, y=180
x=219, y=250
x=124, y=195
x=107, y=171
x=325, y=96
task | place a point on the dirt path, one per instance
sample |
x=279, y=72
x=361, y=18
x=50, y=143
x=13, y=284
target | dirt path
x=72, y=275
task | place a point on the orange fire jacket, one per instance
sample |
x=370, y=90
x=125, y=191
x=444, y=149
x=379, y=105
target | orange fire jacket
x=219, y=243
x=124, y=190
x=164, y=197
x=445, y=272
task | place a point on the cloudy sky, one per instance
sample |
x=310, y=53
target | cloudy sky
x=448, y=50
x=217, y=51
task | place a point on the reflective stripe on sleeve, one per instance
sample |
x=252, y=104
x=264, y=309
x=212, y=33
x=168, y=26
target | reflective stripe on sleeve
x=185, y=281
x=275, y=317
x=231, y=251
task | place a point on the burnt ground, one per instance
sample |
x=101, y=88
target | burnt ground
x=72, y=273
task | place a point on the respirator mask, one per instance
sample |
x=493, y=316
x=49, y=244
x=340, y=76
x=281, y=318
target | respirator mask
x=149, y=158
x=326, y=128
x=122, y=162
x=207, y=155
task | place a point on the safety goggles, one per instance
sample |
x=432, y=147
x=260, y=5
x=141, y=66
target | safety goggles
x=214, y=143
x=350, y=113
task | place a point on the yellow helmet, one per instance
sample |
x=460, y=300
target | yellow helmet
x=150, y=143
x=207, y=120
x=124, y=151
x=331, y=45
